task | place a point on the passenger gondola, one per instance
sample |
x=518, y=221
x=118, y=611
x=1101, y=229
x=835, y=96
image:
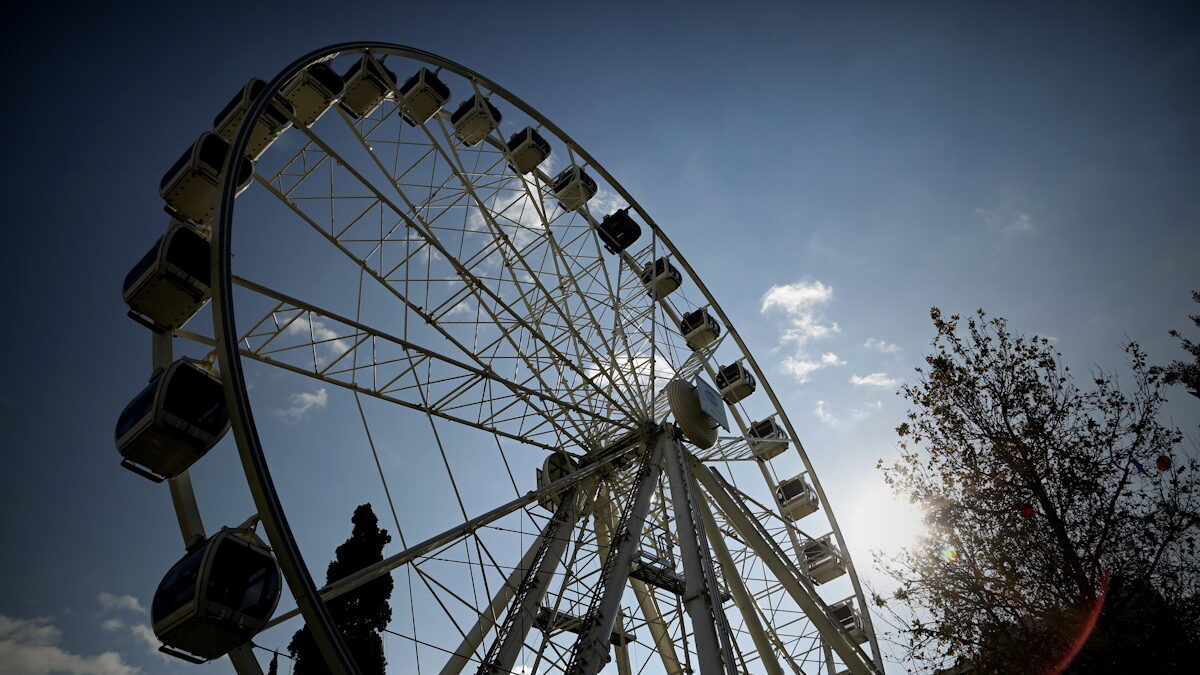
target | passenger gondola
x=190, y=186
x=796, y=498
x=661, y=278
x=171, y=282
x=366, y=84
x=735, y=382
x=573, y=188
x=768, y=439
x=274, y=120
x=823, y=560
x=217, y=597
x=177, y=418
x=618, y=230
x=475, y=118
x=526, y=150
x=846, y=614
x=313, y=91
x=699, y=328
x=422, y=95
x=556, y=466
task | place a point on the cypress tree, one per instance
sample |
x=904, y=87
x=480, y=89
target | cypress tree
x=362, y=613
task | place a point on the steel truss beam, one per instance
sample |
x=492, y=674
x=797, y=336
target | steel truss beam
x=702, y=594
x=752, y=533
x=591, y=649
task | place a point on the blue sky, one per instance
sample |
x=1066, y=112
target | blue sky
x=830, y=172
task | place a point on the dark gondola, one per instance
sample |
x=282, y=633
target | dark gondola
x=699, y=328
x=526, y=150
x=661, y=278
x=422, y=95
x=474, y=119
x=171, y=282
x=735, y=382
x=274, y=120
x=177, y=418
x=367, y=83
x=796, y=498
x=573, y=188
x=189, y=187
x=823, y=560
x=846, y=614
x=618, y=230
x=217, y=597
x=769, y=439
x=313, y=91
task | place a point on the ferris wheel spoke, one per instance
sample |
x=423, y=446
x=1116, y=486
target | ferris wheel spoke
x=487, y=298
x=519, y=258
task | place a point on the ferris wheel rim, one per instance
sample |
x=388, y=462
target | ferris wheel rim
x=245, y=429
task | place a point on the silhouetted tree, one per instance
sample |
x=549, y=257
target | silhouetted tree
x=273, y=669
x=362, y=613
x=1053, y=513
x=1181, y=372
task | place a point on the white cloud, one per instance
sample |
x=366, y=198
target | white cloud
x=143, y=633
x=302, y=403
x=882, y=345
x=112, y=624
x=878, y=405
x=824, y=415
x=801, y=302
x=111, y=602
x=874, y=380
x=320, y=334
x=1023, y=223
x=30, y=647
x=1006, y=218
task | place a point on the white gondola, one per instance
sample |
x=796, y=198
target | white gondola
x=796, y=498
x=313, y=91
x=366, y=84
x=846, y=614
x=526, y=150
x=768, y=439
x=189, y=187
x=171, y=282
x=823, y=560
x=661, y=278
x=555, y=467
x=699, y=328
x=217, y=597
x=421, y=96
x=177, y=418
x=735, y=382
x=474, y=119
x=274, y=120
x=573, y=188
x=618, y=230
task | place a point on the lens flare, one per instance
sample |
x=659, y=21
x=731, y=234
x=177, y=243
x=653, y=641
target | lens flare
x=948, y=553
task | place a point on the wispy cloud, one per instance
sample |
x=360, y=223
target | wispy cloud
x=112, y=624
x=874, y=380
x=302, y=403
x=882, y=345
x=147, y=637
x=111, y=601
x=321, y=334
x=30, y=647
x=1005, y=218
x=824, y=415
x=801, y=302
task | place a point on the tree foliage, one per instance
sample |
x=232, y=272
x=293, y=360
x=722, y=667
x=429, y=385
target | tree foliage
x=1182, y=372
x=362, y=613
x=1054, y=512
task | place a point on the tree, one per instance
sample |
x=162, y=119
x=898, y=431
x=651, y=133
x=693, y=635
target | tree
x=361, y=613
x=1057, y=516
x=1180, y=372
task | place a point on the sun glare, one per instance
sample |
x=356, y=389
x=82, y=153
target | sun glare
x=880, y=521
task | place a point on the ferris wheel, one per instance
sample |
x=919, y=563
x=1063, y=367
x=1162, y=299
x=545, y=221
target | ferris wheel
x=424, y=294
